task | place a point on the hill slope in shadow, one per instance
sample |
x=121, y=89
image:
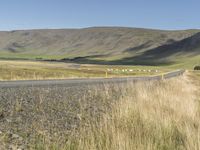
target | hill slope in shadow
x=116, y=45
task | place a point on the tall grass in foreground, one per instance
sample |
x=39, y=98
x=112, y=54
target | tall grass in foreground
x=155, y=115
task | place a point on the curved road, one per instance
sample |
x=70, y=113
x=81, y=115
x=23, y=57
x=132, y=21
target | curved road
x=79, y=82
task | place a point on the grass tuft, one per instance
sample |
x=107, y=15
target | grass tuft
x=157, y=115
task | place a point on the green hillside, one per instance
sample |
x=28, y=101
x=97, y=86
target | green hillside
x=104, y=45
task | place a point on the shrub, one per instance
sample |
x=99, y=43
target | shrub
x=196, y=67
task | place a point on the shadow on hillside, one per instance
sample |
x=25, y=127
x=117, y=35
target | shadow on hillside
x=138, y=48
x=156, y=56
x=124, y=61
x=189, y=45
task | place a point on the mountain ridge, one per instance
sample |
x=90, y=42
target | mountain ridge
x=101, y=43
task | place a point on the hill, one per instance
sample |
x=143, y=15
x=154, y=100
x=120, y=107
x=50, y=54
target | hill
x=113, y=45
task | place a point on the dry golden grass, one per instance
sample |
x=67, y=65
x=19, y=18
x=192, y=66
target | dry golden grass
x=151, y=116
x=157, y=115
x=35, y=70
x=161, y=115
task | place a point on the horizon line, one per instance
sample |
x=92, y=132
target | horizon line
x=88, y=27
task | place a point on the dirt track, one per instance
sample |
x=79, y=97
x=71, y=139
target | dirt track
x=80, y=82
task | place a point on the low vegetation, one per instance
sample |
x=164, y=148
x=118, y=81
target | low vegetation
x=156, y=115
x=161, y=115
x=196, y=67
x=34, y=70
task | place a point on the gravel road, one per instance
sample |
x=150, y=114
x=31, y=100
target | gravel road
x=80, y=82
x=31, y=110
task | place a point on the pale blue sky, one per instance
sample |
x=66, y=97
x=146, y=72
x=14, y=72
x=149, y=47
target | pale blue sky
x=160, y=14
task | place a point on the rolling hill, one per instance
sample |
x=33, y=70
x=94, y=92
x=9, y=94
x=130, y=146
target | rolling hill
x=107, y=45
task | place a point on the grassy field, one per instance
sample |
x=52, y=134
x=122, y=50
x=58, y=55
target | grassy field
x=151, y=115
x=161, y=115
x=35, y=70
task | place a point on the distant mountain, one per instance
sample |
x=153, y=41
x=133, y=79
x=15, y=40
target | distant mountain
x=100, y=44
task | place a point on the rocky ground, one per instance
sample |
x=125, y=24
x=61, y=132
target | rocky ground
x=30, y=115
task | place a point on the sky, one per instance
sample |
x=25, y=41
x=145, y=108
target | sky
x=43, y=14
